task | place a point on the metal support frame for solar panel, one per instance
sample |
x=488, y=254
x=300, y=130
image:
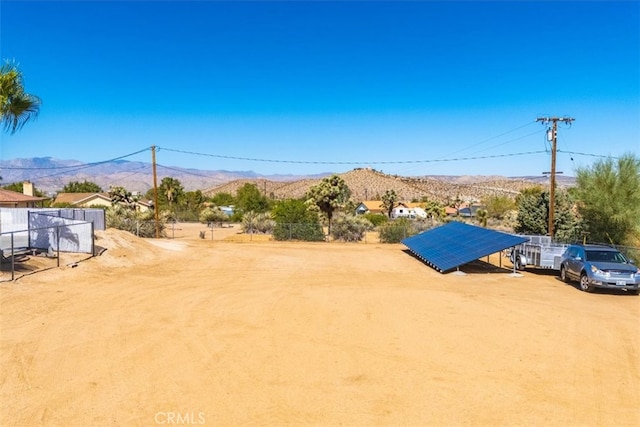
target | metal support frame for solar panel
x=454, y=244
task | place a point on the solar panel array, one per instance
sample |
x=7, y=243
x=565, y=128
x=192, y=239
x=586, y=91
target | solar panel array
x=455, y=243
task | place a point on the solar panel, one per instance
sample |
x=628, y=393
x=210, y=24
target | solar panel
x=456, y=243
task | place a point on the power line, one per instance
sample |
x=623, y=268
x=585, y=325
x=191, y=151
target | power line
x=587, y=154
x=311, y=162
x=495, y=137
x=67, y=169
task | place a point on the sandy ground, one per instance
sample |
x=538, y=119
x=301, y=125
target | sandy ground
x=230, y=331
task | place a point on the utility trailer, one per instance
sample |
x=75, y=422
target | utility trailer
x=538, y=252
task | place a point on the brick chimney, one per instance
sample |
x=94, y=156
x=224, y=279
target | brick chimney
x=27, y=188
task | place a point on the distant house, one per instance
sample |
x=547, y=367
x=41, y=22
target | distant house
x=408, y=210
x=370, y=206
x=26, y=199
x=401, y=210
x=85, y=200
x=464, y=210
x=82, y=200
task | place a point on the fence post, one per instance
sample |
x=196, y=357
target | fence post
x=13, y=259
x=58, y=244
x=93, y=241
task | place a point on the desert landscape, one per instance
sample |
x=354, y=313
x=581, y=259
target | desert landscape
x=240, y=330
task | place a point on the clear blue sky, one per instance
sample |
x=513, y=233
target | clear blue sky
x=417, y=84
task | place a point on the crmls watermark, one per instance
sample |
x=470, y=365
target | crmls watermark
x=179, y=418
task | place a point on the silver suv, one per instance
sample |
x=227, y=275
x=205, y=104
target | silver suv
x=599, y=266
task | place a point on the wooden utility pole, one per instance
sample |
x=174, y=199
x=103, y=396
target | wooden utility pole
x=552, y=190
x=155, y=191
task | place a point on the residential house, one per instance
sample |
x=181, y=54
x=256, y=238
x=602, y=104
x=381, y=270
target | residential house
x=370, y=206
x=26, y=199
x=464, y=210
x=85, y=200
x=408, y=210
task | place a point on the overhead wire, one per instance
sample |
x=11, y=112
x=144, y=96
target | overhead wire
x=315, y=162
x=66, y=169
x=492, y=138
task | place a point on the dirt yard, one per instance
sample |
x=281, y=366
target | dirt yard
x=230, y=330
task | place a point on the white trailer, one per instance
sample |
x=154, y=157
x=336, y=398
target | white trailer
x=538, y=252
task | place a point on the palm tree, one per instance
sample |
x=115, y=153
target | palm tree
x=172, y=190
x=16, y=106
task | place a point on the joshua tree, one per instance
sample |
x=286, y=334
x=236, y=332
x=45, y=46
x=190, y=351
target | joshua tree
x=330, y=194
x=389, y=200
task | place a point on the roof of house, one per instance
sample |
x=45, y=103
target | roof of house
x=373, y=205
x=78, y=198
x=82, y=198
x=8, y=196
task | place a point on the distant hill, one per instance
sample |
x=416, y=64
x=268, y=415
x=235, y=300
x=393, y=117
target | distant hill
x=51, y=175
x=368, y=184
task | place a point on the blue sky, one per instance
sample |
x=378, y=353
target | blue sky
x=409, y=88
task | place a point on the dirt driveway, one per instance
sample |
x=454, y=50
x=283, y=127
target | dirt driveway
x=224, y=331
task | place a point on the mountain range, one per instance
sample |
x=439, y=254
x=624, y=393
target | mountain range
x=51, y=175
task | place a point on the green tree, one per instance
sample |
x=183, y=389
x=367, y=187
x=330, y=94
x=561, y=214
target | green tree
x=498, y=206
x=170, y=191
x=223, y=199
x=330, y=194
x=533, y=214
x=389, y=201
x=294, y=221
x=81, y=187
x=16, y=106
x=609, y=199
x=193, y=200
x=249, y=198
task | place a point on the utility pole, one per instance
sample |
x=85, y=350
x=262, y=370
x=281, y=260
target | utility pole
x=552, y=190
x=155, y=191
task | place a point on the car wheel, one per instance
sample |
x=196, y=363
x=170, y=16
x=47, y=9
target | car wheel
x=585, y=285
x=563, y=275
x=634, y=291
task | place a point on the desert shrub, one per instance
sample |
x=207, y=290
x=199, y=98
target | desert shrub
x=349, y=228
x=309, y=232
x=258, y=223
x=396, y=231
x=375, y=218
x=212, y=215
x=141, y=224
